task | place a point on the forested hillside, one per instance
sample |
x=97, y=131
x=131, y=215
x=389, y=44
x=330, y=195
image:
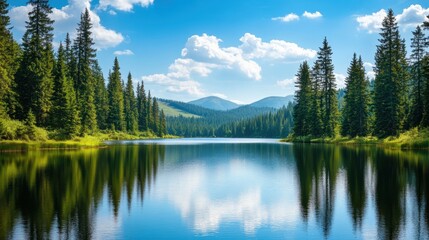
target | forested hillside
x=62, y=92
x=397, y=100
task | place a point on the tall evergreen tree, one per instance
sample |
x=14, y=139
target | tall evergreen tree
x=316, y=97
x=162, y=124
x=64, y=114
x=356, y=110
x=425, y=63
x=130, y=106
x=9, y=62
x=34, y=77
x=155, y=116
x=391, y=79
x=115, y=117
x=142, y=107
x=100, y=94
x=149, y=113
x=417, y=77
x=303, y=97
x=329, y=105
x=84, y=80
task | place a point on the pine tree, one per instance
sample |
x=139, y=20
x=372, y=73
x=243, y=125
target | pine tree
x=9, y=62
x=100, y=94
x=149, y=113
x=417, y=78
x=70, y=60
x=142, y=107
x=84, y=80
x=356, y=110
x=425, y=64
x=34, y=77
x=155, y=116
x=329, y=106
x=130, y=106
x=303, y=97
x=391, y=80
x=162, y=124
x=64, y=112
x=315, y=105
x=115, y=117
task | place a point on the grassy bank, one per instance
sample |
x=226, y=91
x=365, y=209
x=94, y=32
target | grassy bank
x=412, y=139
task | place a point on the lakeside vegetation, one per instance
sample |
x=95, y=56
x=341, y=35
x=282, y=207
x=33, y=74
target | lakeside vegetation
x=391, y=111
x=61, y=97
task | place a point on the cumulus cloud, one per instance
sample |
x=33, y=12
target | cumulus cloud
x=66, y=20
x=126, y=52
x=409, y=18
x=310, y=15
x=287, y=83
x=288, y=18
x=203, y=54
x=124, y=5
x=253, y=48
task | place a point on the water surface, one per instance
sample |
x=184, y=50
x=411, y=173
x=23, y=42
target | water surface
x=215, y=188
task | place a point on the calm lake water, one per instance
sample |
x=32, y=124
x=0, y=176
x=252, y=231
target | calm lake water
x=215, y=188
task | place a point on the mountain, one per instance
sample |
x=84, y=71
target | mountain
x=215, y=103
x=273, y=102
x=171, y=111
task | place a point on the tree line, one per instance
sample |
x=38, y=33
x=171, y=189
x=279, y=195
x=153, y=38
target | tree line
x=66, y=91
x=397, y=100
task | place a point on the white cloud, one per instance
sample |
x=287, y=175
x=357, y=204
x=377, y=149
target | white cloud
x=203, y=54
x=206, y=49
x=288, y=18
x=409, y=18
x=111, y=12
x=287, y=83
x=368, y=65
x=310, y=15
x=370, y=75
x=124, y=5
x=341, y=80
x=412, y=16
x=253, y=47
x=66, y=20
x=124, y=52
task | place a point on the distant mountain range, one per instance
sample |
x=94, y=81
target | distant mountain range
x=217, y=103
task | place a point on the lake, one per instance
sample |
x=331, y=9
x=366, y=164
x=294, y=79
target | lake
x=215, y=188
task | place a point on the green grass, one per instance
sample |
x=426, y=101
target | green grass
x=173, y=112
x=412, y=139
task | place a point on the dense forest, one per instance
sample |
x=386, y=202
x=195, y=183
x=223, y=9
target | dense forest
x=65, y=93
x=397, y=99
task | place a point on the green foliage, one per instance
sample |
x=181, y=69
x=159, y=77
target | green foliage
x=34, y=77
x=101, y=96
x=391, y=80
x=355, y=115
x=142, y=108
x=130, y=106
x=115, y=118
x=303, y=97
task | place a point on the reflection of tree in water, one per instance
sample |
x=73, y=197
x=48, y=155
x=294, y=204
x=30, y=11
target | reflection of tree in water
x=392, y=171
x=60, y=191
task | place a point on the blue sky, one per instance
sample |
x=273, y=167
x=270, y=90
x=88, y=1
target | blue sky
x=241, y=50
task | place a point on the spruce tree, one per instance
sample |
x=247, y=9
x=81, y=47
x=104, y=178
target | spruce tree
x=130, y=106
x=155, y=116
x=115, y=117
x=303, y=97
x=162, y=124
x=149, y=113
x=417, y=77
x=34, y=77
x=9, y=62
x=329, y=106
x=64, y=115
x=425, y=64
x=100, y=94
x=316, y=99
x=84, y=81
x=391, y=79
x=356, y=110
x=142, y=107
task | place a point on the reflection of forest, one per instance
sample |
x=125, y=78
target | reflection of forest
x=392, y=177
x=59, y=192
x=63, y=189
